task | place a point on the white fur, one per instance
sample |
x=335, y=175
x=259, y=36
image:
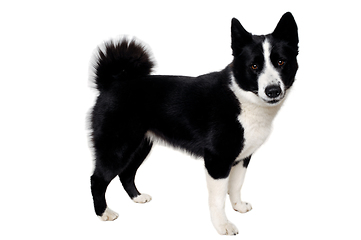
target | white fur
x=256, y=118
x=269, y=75
x=235, y=183
x=217, y=190
x=109, y=215
x=156, y=139
x=142, y=198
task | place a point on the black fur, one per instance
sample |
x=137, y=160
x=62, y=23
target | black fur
x=196, y=114
x=121, y=61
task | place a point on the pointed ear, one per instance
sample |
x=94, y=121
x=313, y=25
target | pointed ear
x=240, y=37
x=287, y=29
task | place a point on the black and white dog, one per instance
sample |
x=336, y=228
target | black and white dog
x=223, y=117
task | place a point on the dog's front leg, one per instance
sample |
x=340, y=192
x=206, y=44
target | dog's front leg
x=235, y=183
x=217, y=189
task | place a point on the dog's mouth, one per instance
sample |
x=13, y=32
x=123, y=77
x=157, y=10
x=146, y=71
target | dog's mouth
x=275, y=101
x=270, y=101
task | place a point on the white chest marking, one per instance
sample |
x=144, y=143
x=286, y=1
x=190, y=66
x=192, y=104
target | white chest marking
x=256, y=119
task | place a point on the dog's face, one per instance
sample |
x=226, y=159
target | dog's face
x=265, y=66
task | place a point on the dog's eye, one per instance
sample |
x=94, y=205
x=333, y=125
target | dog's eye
x=281, y=63
x=254, y=66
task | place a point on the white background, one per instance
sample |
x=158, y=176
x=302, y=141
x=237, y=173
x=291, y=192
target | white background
x=304, y=183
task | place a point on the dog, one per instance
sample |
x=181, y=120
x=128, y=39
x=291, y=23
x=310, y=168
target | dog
x=222, y=117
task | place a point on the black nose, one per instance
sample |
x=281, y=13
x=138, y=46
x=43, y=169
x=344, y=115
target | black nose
x=273, y=91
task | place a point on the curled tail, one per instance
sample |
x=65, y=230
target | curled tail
x=121, y=61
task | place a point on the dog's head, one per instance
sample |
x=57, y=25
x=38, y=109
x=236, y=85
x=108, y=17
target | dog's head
x=265, y=66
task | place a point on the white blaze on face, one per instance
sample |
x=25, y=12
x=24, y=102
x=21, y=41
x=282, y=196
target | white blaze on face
x=269, y=75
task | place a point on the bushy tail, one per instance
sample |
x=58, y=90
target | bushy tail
x=119, y=62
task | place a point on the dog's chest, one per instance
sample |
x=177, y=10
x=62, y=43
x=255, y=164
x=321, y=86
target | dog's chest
x=257, y=125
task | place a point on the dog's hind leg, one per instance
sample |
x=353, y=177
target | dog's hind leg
x=127, y=176
x=113, y=156
x=98, y=187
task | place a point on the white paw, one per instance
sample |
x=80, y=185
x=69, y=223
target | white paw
x=242, y=207
x=227, y=229
x=142, y=198
x=109, y=215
